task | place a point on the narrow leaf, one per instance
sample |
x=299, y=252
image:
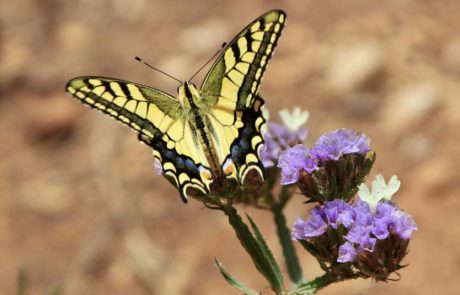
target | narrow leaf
x=22, y=283
x=252, y=247
x=233, y=281
x=58, y=290
x=289, y=252
x=275, y=269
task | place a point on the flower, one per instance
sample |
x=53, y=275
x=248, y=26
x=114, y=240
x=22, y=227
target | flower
x=333, y=168
x=157, y=166
x=380, y=191
x=331, y=215
x=374, y=243
x=294, y=121
x=280, y=137
x=341, y=142
x=347, y=253
x=294, y=160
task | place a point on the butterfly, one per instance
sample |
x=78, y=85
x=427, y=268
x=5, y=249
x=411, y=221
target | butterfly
x=202, y=136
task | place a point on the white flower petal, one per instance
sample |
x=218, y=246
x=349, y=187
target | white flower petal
x=380, y=190
x=363, y=192
x=293, y=121
x=392, y=187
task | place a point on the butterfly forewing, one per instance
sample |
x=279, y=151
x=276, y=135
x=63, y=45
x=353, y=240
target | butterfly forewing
x=146, y=110
x=234, y=79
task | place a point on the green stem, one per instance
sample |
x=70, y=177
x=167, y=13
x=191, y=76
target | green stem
x=315, y=285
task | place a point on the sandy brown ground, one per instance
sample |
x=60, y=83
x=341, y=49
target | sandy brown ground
x=80, y=204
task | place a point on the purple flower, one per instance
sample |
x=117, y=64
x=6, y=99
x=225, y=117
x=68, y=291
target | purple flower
x=347, y=253
x=375, y=244
x=157, y=166
x=294, y=160
x=277, y=139
x=314, y=227
x=363, y=215
x=298, y=229
x=368, y=229
x=332, y=214
x=380, y=229
x=338, y=212
x=340, y=142
x=360, y=235
x=396, y=221
x=364, y=230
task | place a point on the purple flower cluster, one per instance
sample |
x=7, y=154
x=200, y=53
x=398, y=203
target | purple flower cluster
x=328, y=147
x=277, y=139
x=341, y=142
x=363, y=229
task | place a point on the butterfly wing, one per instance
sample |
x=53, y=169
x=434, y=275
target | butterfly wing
x=159, y=120
x=230, y=89
x=234, y=79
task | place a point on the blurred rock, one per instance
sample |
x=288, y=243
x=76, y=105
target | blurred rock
x=73, y=36
x=129, y=9
x=204, y=37
x=15, y=57
x=353, y=66
x=450, y=55
x=45, y=194
x=362, y=105
x=52, y=117
x=416, y=147
x=409, y=106
x=436, y=174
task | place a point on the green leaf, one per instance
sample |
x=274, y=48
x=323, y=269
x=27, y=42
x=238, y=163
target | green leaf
x=253, y=248
x=233, y=281
x=289, y=252
x=22, y=282
x=275, y=269
x=57, y=290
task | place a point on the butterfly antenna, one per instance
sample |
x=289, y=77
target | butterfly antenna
x=153, y=68
x=215, y=54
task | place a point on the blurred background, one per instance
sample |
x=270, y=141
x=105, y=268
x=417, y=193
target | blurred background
x=80, y=203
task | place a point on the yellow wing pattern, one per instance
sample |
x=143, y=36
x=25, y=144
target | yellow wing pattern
x=159, y=120
x=233, y=82
x=146, y=110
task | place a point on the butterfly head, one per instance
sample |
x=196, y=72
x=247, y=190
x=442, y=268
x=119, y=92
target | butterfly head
x=188, y=94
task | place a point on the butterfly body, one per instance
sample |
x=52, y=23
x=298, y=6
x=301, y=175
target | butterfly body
x=203, y=137
x=197, y=114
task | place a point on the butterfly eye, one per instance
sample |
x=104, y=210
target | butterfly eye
x=178, y=87
x=193, y=84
